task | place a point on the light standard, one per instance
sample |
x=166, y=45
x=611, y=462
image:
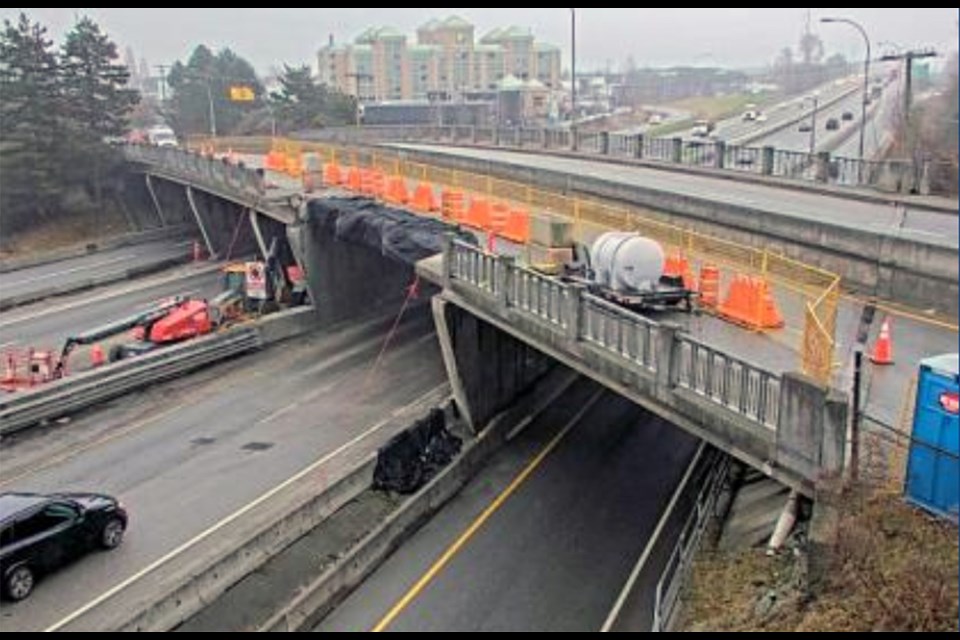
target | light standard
x=813, y=127
x=866, y=83
x=573, y=65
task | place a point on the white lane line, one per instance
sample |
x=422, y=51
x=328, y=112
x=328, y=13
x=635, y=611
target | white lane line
x=278, y=413
x=141, y=286
x=637, y=570
x=231, y=518
x=88, y=267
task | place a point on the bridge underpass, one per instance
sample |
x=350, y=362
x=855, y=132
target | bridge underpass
x=765, y=441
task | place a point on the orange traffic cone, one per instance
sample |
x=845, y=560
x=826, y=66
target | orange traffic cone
x=883, y=351
x=97, y=359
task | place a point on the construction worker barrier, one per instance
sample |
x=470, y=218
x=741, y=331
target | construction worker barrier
x=677, y=266
x=750, y=303
x=709, y=286
x=372, y=182
x=424, y=199
x=517, y=228
x=883, y=351
x=396, y=191
x=294, y=166
x=453, y=205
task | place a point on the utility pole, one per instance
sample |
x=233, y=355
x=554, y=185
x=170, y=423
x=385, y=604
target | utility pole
x=908, y=59
x=162, y=68
x=357, y=76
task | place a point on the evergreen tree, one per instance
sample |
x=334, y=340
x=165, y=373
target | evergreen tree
x=97, y=100
x=304, y=104
x=30, y=100
x=201, y=101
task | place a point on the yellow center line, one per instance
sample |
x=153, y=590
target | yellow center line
x=482, y=519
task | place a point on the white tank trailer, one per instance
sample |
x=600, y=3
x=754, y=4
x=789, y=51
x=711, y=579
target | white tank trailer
x=627, y=263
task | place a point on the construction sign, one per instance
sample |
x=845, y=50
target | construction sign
x=242, y=93
x=256, y=281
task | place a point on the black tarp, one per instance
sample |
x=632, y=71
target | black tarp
x=395, y=233
x=412, y=458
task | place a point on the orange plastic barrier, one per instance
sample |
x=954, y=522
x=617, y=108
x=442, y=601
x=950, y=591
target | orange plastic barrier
x=332, y=175
x=750, y=303
x=517, y=228
x=709, y=286
x=453, y=205
x=424, y=199
x=396, y=191
x=479, y=215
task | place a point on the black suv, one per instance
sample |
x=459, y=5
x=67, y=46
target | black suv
x=39, y=534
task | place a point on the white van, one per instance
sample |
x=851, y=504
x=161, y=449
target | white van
x=161, y=136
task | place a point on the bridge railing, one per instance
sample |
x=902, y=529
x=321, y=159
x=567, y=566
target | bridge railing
x=902, y=176
x=195, y=167
x=576, y=316
x=729, y=381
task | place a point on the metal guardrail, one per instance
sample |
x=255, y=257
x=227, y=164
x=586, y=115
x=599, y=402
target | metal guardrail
x=669, y=587
x=87, y=389
x=902, y=176
x=726, y=380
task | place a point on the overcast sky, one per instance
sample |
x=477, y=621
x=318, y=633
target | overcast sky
x=732, y=37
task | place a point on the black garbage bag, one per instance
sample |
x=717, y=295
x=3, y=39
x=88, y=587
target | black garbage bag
x=414, y=457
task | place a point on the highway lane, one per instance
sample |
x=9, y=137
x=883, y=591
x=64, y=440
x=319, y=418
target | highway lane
x=557, y=552
x=881, y=217
x=46, y=325
x=185, y=455
x=103, y=263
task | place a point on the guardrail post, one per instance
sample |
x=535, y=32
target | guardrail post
x=668, y=348
x=822, y=171
x=605, y=143
x=574, y=312
x=638, y=152
x=766, y=162
x=504, y=268
x=720, y=148
x=677, y=156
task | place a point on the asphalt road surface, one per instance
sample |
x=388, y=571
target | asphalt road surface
x=46, y=325
x=552, y=556
x=185, y=455
x=66, y=273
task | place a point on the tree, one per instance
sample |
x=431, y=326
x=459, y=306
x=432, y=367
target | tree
x=30, y=100
x=302, y=103
x=201, y=92
x=97, y=100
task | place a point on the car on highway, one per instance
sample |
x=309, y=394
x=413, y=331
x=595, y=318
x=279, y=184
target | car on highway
x=805, y=127
x=703, y=129
x=848, y=116
x=833, y=124
x=41, y=533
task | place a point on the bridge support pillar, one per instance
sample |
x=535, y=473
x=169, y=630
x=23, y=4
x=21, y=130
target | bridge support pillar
x=156, y=201
x=488, y=369
x=212, y=252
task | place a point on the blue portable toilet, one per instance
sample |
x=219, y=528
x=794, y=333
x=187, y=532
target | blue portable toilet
x=933, y=472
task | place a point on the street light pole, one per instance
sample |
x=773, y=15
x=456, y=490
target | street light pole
x=573, y=64
x=866, y=84
x=213, y=111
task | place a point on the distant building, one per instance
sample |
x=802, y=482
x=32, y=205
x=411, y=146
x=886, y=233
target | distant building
x=446, y=62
